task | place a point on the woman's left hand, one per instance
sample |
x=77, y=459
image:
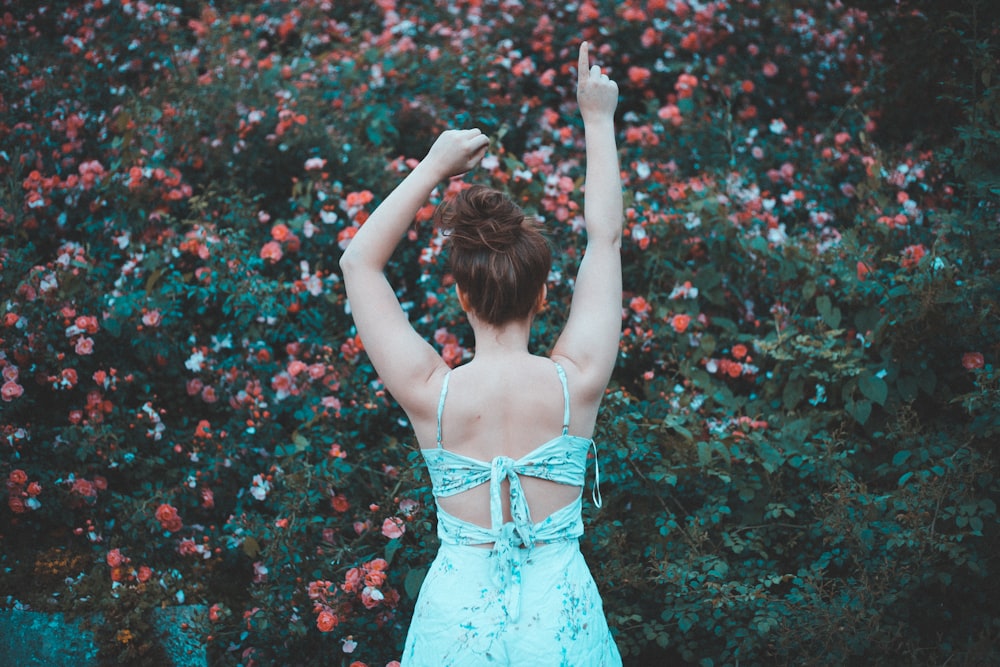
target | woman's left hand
x=457, y=151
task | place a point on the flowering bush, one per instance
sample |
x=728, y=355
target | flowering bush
x=797, y=439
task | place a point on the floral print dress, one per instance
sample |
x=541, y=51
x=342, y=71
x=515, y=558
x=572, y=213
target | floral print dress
x=531, y=599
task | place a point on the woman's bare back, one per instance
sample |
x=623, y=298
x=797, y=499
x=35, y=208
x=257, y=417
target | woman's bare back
x=507, y=406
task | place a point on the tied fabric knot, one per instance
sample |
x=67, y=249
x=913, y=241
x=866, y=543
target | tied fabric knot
x=520, y=531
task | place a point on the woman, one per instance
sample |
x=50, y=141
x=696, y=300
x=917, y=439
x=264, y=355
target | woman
x=506, y=436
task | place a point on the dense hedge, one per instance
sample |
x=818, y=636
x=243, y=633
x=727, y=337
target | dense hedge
x=796, y=451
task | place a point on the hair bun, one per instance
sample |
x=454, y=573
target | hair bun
x=479, y=217
x=498, y=257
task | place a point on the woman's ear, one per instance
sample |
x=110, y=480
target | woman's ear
x=540, y=303
x=463, y=300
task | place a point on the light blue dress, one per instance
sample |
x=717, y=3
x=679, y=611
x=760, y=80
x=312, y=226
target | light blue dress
x=530, y=600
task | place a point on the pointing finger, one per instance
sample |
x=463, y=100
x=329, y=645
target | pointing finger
x=583, y=65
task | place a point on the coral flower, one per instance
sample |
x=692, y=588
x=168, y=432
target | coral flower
x=912, y=254
x=271, y=251
x=972, y=360
x=326, y=621
x=168, y=518
x=639, y=305
x=115, y=558
x=639, y=75
x=680, y=322
x=339, y=502
x=280, y=232
x=863, y=270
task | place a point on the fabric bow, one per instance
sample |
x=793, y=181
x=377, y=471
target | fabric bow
x=506, y=564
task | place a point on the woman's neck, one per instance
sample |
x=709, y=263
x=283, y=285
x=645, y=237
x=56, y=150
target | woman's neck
x=503, y=341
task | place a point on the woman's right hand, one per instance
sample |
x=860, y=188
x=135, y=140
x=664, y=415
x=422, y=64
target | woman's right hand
x=596, y=93
x=457, y=151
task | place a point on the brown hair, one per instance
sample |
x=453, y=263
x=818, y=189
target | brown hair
x=498, y=256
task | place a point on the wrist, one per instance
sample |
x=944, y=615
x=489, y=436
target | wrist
x=429, y=171
x=598, y=121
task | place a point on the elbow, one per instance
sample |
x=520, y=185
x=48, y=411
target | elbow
x=356, y=264
x=349, y=261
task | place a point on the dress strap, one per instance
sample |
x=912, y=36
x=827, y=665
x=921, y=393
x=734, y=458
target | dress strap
x=444, y=392
x=596, y=493
x=565, y=387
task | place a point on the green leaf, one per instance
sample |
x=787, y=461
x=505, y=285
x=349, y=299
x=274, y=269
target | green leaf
x=704, y=453
x=792, y=394
x=874, y=388
x=708, y=344
x=251, y=547
x=300, y=441
x=927, y=381
x=860, y=410
x=900, y=457
x=391, y=548
x=674, y=423
x=829, y=313
x=414, y=579
x=867, y=319
x=906, y=385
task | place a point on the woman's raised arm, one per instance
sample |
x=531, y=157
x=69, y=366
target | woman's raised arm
x=590, y=339
x=401, y=357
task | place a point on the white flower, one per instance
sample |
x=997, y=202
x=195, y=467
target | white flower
x=777, y=234
x=315, y=163
x=260, y=487
x=195, y=361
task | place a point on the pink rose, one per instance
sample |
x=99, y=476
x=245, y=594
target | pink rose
x=271, y=251
x=352, y=580
x=84, y=488
x=393, y=527
x=84, y=345
x=972, y=360
x=11, y=390
x=152, y=318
